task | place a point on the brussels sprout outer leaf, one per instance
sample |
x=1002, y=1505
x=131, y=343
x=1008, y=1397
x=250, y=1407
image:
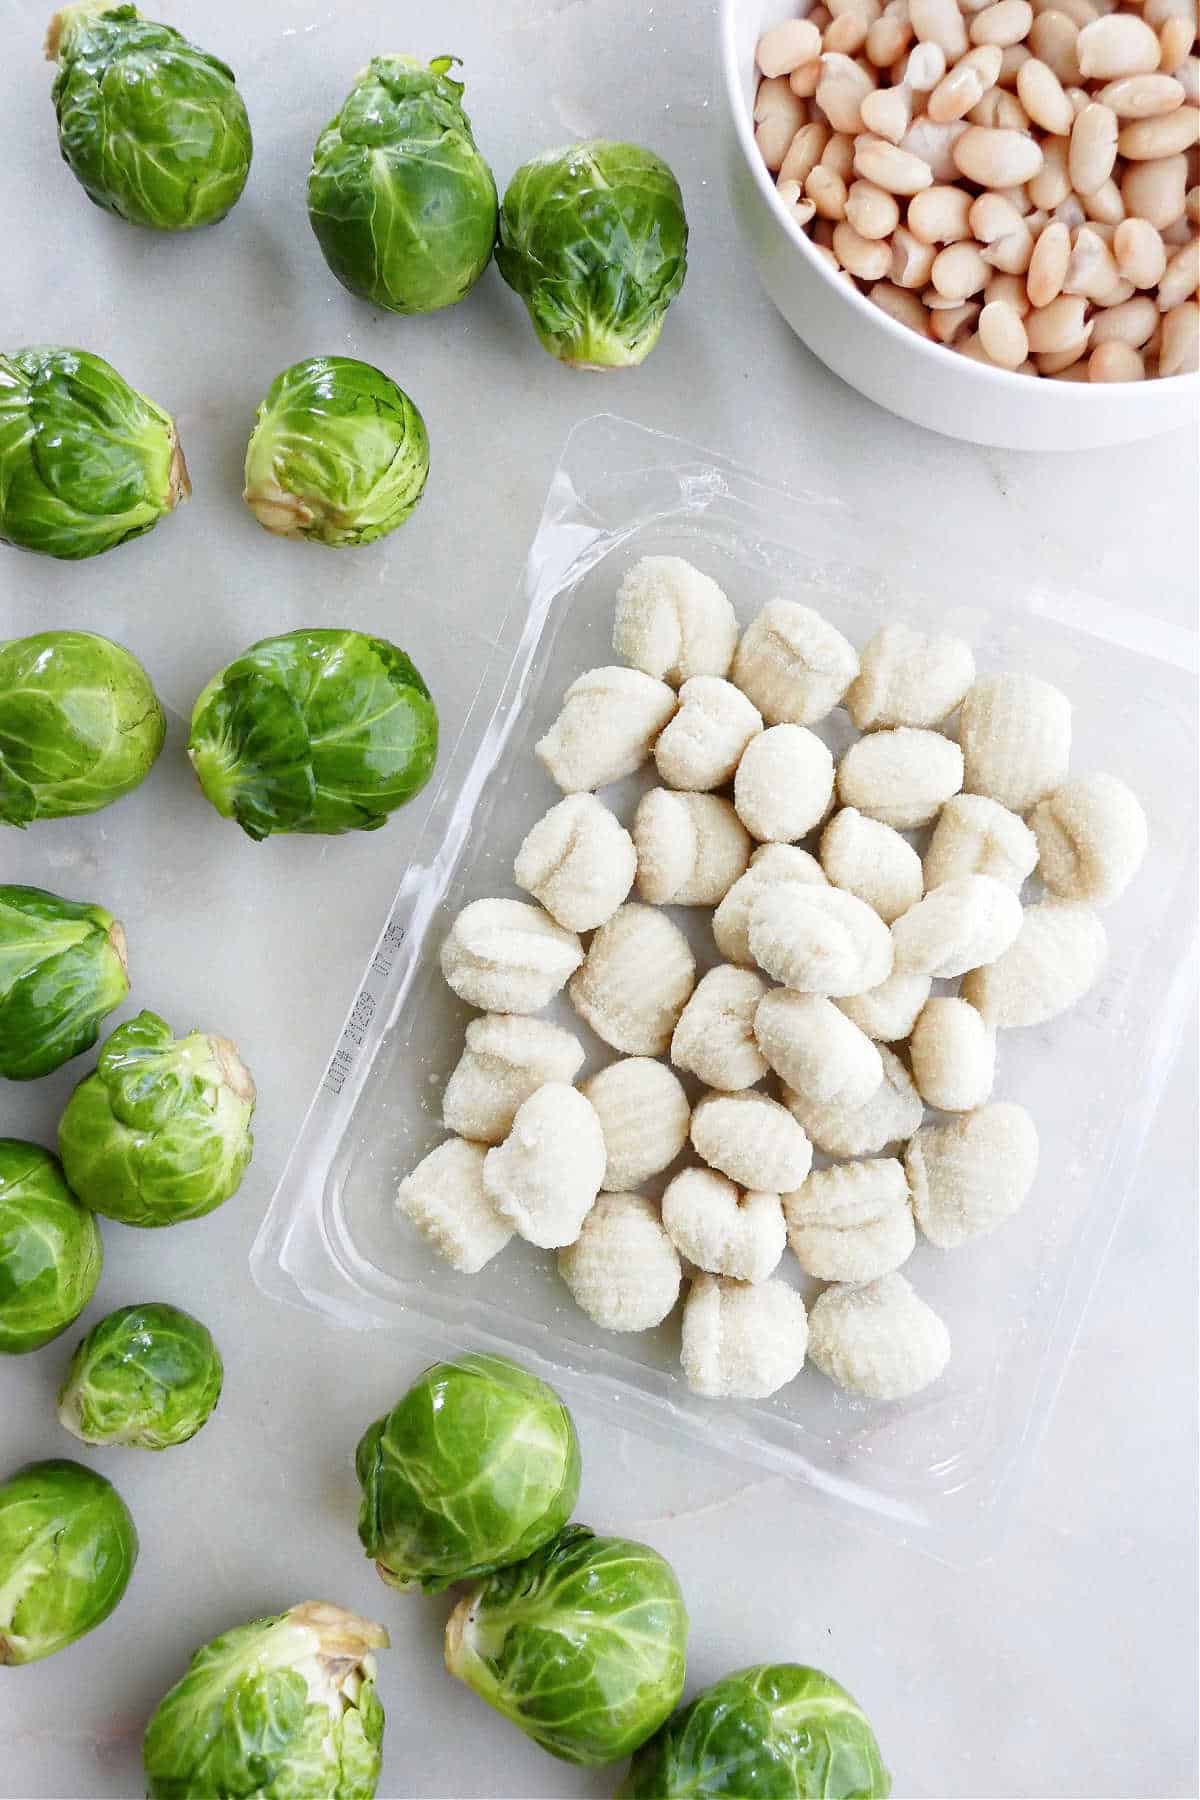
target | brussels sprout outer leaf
x=593, y=238
x=62, y=969
x=315, y=731
x=779, y=1731
x=582, y=1645
x=50, y=1249
x=161, y=1131
x=475, y=1467
x=339, y=453
x=146, y=1375
x=67, y=1550
x=80, y=725
x=402, y=203
x=281, y=1709
x=153, y=128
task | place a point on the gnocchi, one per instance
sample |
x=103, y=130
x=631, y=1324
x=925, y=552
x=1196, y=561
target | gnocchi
x=507, y=1057
x=968, y=1177
x=703, y=743
x=793, y=664
x=852, y=1222
x=623, y=1270
x=1015, y=732
x=715, y=1038
x=722, y=1230
x=900, y=777
x=507, y=956
x=606, y=728
x=578, y=861
x=961, y=925
x=544, y=1178
x=770, y=863
x=635, y=981
x=887, y=1013
x=742, y=1340
x=753, y=1140
x=978, y=836
x=644, y=1114
x=444, y=1197
x=691, y=848
x=819, y=940
x=890, y=1116
x=784, y=784
x=672, y=621
x=1055, y=958
x=879, y=1338
x=867, y=858
x=1091, y=836
x=906, y=678
x=816, y=1049
x=953, y=1055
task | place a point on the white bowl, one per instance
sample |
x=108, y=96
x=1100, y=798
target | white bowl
x=920, y=380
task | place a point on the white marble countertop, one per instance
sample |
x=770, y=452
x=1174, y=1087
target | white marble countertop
x=1067, y=1666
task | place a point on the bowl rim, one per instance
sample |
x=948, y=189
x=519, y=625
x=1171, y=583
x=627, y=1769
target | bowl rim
x=1138, y=395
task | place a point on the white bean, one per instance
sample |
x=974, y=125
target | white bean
x=1092, y=269
x=1002, y=335
x=900, y=304
x=827, y=192
x=1093, y=148
x=925, y=67
x=1013, y=58
x=1175, y=39
x=1115, y=361
x=803, y=81
x=1193, y=205
x=872, y=212
x=1133, y=323
x=1145, y=140
x=804, y=152
x=1056, y=326
x=959, y=271
x=939, y=22
x=997, y=158
x=1156, y=190
x=785, y=46
x=841, y=88
x=847, y=34
x=1080, y=12
x=1042, y=96
x=896, y=171
x=1009, y=290
x=864, y=257
x=1188, y=77
x=1139, y=251
x=1181, y=279
x=1048, y=264
x=939, y=215
x=1105, y=206
x=1180, y=353
x=888, y=113
x=1006, y=22
x=994, y=216
x=1052, y=37
x=934, y=144
x=912, y=260
x=1142, y=96
x=1052, y=183
x=779, y=114
x=965, y=85
x=1120, y=44
x=792, y=195
x=888, y=39
x=950, y=323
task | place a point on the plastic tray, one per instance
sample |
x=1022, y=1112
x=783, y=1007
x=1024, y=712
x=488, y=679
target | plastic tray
x=940, y=1471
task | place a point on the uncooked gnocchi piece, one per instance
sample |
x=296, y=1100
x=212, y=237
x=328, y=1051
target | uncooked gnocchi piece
x=606, y=728
x=578, y=861
x=784, y=784
x=507, y=956
x=545, y=1176
x=968, y=1177
x=906, y=678
x=880, y=1339
x=507, y=1058
x=753, y=1140
x=963, y=924
x=1091, y=836
x=691, y=848
x=721, y=1229
x=636, y=979
x=819, y=940
x=770, y=863
x=1015, y=732
x=702, y=745
x=672, y=621
x=852, y=1222
x=887, y=1013
x=815, y=1048
x=793, y=664
x=900, y=777
x=714, y=1038
x=742, y=1340
x=623, y=1270
x=978, y=836
x=444, y=1197
x=953, y=1055
x=1056, y=957
x=890, y=1116
x=868, y=858
x=644, y=1114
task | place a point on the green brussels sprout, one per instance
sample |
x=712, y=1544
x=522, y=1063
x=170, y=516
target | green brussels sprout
x=319, y=730
x=279, y=1709
x=146, y=1375
x=160, y=1132
x=62, y=969
x=152, y=128
x=477, y=1465
x=80, y=725
x=581, y=1645
x=402, y=203
x=67, y=1550
x=86, y=462
x=50, y=1249
x=339, y=453
x=594, y=239
x=779, y=1731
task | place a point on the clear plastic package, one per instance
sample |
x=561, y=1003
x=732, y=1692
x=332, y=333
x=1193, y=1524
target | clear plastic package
x=940, y=1471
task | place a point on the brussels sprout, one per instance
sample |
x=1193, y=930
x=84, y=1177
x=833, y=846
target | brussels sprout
x=581, y=1645
x=67, y=1550
x=160, y=1132
x=86, y=462
x=152, y=128
x=323, y=731
x=402, y=203
x=279, y=1709
x=50, y=1249
x=80, y=725
x=476, y=1466
x=146, y=1375
x=779, y=1730
x=339, y=453
x=594, y=239
x=62, y=969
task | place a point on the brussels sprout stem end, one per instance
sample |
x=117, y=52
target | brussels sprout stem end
x=63, y=21
x=179, y=482
x=119, y=943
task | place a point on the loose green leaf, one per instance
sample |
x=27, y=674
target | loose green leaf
x=62, y=969
x=146, y=1375
x=67, y=1550
x=50, y=1249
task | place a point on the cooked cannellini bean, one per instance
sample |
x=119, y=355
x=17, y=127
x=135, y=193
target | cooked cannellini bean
x=840, y=90
x=1012, y=59
x=959, y=271
x=888, y=113
x=804, y=152
x=939, y=215
x=1119, y=44
x=950, y=323
x=1007, y=290
x=891, y=168
x=827, y=191
x=1181, y=279
x=1180, y=352
x=963, y=86
x=872, y=211
x=887, y=39
x=803, y=81
x=996, y=158
x=847, y=34
x=1139, y=252
x=1048, y=265
x=1053, y=37
x=1175, y=39
x=1055, y=362
x=786, y=45
x=1052, y=183
x=1093, y=148
x=1134, y=323
x=911, y=259
x=1142, y=96
x=939, y=22
x=838, y=155
x=792, y=195
x=1145, y=140
x=1002, y=335
x=779, y=114
x=925, y=67
x=1092, y=270
x=900, y=305
x=1080, y=12
x=1004, y=23
x=1156, y=191
x=1041, y=94
x=1058, y=325
x=1105, y=206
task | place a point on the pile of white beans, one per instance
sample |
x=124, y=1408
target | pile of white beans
x=1014, y=179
